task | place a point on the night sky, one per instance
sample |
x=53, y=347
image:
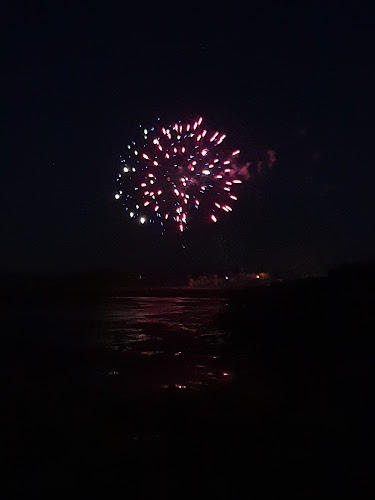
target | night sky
x=80, y=79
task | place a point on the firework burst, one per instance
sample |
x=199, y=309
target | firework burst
x=174, y=171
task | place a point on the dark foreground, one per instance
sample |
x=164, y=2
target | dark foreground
x=290, y=415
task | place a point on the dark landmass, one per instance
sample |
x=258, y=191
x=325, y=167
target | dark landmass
x=93, y=287
x=297, y=418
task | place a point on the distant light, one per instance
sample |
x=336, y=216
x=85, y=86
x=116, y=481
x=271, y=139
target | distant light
x=258, y=276
x=204, y=152
x=235, y=152
x=142, y=220
x=226, y=277
x=117, y=196
x=131, y=214
x=135, y=152
x=145, y=131
x=225, y=374
x=213, y=218
x=126, y=169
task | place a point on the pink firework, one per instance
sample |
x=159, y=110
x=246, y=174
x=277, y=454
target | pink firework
x=174, y=171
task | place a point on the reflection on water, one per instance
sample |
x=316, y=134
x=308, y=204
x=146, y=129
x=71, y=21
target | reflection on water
x=163, y=342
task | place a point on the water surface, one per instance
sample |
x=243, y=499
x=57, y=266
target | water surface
x=163, y=342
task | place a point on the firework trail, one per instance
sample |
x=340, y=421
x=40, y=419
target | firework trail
x=175, y=171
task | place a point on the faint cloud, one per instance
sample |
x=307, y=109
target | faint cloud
x=271, y=158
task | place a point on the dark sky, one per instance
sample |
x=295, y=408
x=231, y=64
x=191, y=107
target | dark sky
x=79, y=79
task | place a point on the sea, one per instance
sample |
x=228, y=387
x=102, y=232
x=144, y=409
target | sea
x=138, y=344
